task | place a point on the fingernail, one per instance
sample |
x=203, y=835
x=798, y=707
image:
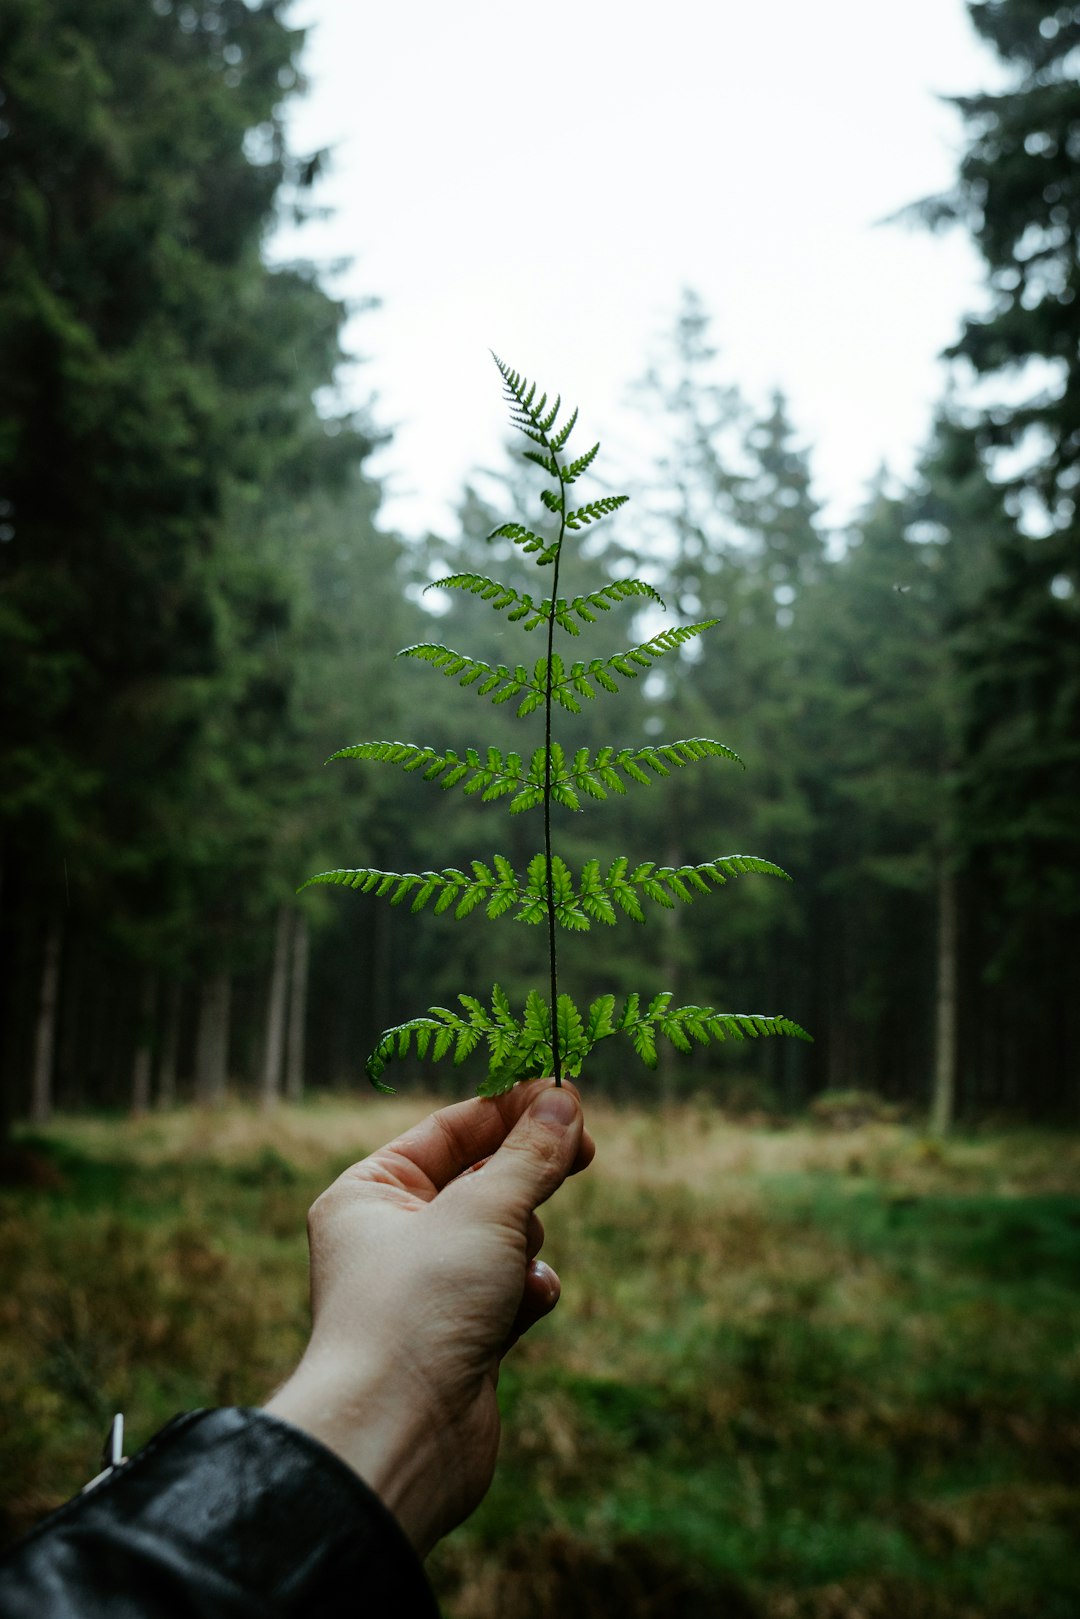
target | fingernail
x=555, y=1106
x=547, y=1278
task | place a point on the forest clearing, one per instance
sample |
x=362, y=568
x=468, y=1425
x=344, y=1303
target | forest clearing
x=797, y=1370
x=816, y=1355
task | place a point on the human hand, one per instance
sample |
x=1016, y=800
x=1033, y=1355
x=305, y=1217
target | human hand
x=423, y=1274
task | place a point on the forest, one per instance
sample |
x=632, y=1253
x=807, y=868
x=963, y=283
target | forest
x=199, y=604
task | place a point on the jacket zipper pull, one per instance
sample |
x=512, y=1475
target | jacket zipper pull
x=112, y=1453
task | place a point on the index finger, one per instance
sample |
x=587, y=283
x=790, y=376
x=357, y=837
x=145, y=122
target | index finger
x=445, y=1144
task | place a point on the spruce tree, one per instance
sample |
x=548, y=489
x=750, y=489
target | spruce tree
x=157, y=379
x=1018, y=192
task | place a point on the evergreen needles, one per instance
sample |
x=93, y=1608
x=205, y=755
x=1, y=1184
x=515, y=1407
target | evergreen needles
x=551, y=1035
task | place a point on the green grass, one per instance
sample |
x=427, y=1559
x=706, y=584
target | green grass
x=796, y=1374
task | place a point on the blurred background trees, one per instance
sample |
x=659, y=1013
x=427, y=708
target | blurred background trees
x=197, y=605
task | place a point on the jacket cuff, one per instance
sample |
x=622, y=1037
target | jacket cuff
x=245, y=1510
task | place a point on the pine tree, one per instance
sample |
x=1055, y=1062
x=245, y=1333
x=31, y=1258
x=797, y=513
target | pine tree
x=1019, y=193
x=730, y=529
x=157, y=377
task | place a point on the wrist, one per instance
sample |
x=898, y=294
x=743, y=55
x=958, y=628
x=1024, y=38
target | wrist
x=371, y=1423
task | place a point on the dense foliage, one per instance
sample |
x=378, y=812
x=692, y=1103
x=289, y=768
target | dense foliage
x=196, y=604
x=157, y=411
x=1018, y=656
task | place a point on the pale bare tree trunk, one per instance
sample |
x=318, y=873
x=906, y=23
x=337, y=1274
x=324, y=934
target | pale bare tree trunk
x=944, y=1098
x=277, y=1002
x=212, y=1040
x=142, y=1065
x=41, y=1086
x=170, y=1050
x=298, y=987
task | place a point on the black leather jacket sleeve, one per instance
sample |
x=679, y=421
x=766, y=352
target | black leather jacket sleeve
x=224, y=1515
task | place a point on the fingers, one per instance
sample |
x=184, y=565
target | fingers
x=444, y=1145
x=539, y=1153
x=541, y=1295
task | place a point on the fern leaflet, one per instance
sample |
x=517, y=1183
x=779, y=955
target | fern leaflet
x=596, y=509
x=541, y=550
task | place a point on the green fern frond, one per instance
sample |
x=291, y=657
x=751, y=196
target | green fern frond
x=576, y=468
x=552, y=416
x=532, y=544
x=578, y=680
x=551, y=1035
x=598, y=773
x=598, y=894
x=684, y=1025
x=617, y=590
x=495, y=680
x=532, y=416
x=492, y=774
x=496, y=890
x=531, y=613
x=594, y=896
x=559, y=441
x=520, y=606
x=516, y=1047
x=595, y=510
x=521, y=1047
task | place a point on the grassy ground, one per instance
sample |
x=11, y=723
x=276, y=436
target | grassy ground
x=794, y=1374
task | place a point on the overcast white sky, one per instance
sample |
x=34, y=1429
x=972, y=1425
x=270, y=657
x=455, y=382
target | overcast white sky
x=542, y=181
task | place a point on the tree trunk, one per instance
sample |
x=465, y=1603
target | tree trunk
x=294, y=1056
x=212, y=1040
x=41, y=1088
x=142, y=1065
x=274, y=1043
x=944, y=1096
x=72, y=1059
x=170, y=1050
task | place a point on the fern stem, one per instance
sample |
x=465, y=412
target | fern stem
x=552, y=953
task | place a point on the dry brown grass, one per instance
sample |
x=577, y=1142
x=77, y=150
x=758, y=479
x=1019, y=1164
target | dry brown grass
x=683, y=1144
x=794, y=1373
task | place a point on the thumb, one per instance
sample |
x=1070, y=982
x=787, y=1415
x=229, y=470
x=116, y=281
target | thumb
x=535, y=1158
